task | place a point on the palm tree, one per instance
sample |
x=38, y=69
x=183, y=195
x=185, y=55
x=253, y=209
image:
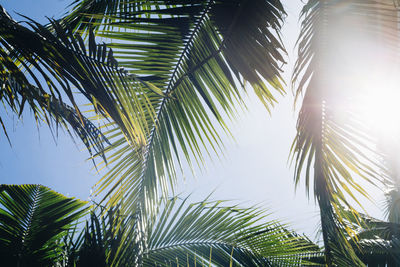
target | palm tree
x=157, y=108
x=175, y=57
x=152, y=112
x=172, y=68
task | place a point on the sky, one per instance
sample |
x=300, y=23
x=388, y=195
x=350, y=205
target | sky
x=253, y=171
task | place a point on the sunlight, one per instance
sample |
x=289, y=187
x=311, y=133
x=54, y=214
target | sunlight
x=366, y=64
x=379, y=104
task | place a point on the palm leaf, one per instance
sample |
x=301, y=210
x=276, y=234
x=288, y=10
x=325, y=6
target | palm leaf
x=49, y=109
x=330, y=136
x=59, y=60
x=16, y=92
x=195, y=55
x=213, y=233
x=377, y=241
x=98, y=242
x=32, y=220
x=198, y=233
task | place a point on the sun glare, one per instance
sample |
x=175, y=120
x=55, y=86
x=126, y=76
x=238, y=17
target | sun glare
x=379, y=105
x=366, y=64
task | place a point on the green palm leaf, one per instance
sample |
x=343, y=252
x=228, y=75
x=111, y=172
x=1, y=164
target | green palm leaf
x=59, y=61
x=196, y=55
x=212, y=233
x=17, y=92
x=196, y=46
x=98, y=243
x=377, y=241
x=168, y=41
x=32, y=220
x=51, y=110
x=190, y=234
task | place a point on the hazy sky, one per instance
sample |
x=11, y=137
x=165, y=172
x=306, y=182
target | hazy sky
x=255, y=168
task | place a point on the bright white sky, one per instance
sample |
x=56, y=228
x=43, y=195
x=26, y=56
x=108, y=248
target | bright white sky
x=255, y=169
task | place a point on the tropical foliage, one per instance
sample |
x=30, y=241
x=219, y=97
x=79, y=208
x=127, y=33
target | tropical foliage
x=39, y=227
x=33, y=219
x=161, y=84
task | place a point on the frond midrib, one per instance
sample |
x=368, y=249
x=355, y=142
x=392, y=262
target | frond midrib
x=168, y=91
x=173, y=86
x=30, y=215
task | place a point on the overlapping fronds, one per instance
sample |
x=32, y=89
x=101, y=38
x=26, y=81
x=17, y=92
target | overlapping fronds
x=377, y=241
x=87, y=13
x=176, y=39
x=32, y=220
x=56, y=61
x=183, y=61
x=202, y=233
x=46, y=107
x=212, y=233
x=16, y=92
x=99, y=242
x=331, y=139
x=196, y=54
x=379, y=251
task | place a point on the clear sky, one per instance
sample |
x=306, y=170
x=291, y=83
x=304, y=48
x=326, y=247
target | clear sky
x=255, y=168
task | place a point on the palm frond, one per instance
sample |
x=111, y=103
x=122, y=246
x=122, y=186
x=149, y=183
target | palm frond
x=190, y=50
x=196, y=55
x=99, y=242
x=51, y=110
x=212, y=233
x=330, y=136
x=32, y=221
x=93, y=13
x=190, y=234
x=58, y=60
x=377, y=241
